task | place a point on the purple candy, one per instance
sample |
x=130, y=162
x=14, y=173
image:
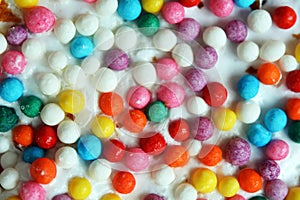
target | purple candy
x=153, y=197
x=236, y=31
x=62, y=197
x=202, y=129
x=206, y=57
x=16, y=35
x=237, y=151
x=195, y=79
x=276, y=189
x=116, y=59
x=188, y=29
x=269, y=170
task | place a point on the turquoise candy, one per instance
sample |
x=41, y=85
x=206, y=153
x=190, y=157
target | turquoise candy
x=129, y=9
x=148, y=24
x=156, y=111
x=8, y=118
x=31, y=106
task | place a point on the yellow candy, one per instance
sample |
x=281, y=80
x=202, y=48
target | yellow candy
x=12, y=197
x=152, y=6
x=297, y=52
x=204, y=180
x=79, y=188
x=26, y=3
x=102, y=126
x=110, y=197
x=228, y=186
x=71, y=101
x=224, y=119
x=294, y=194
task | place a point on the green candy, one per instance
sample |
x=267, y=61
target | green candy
x=31, y=106
x=294, y=131
x=8, y=118
x=156, y=111
x=258, y=198
x=148, y=24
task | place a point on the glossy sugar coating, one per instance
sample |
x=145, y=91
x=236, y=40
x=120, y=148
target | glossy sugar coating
x=277, y=150
x=173, y=12
x=292, y=81
x=179, y=129
x=284, y=17
x=214, y=94
x=276, y=189
x=154, y=197
x=31, y=190
x=16, y=35
x=188, y=29
x=31, y=105
x=110, y=196
x=26, y=3
x=195, y=79
x=13, y=62
x=81, y=47
x=204, y=180
x=116, y=59
x=138, y=97
x=71, y=101
x=136, y=159
x=224, y=119
x=221, y=8
x=202, y=129
x=236, y=31
x=153, y=145
x=124, y=182
x=237, y=151
x=129, y=9
x=171, y=94
x=250, y=181
x=102, y=126
x=258, y=135
x=152, y=6
x=269, y=170
x=8, y=118
x=228, y=186
x=243, y=3
x=248, y=87
x=275, y=119
x=166, y=68
x=89, y=147
x=205, y=57
x=148, y=24
x=113, y=150
x=43, y=170
x=79, y=188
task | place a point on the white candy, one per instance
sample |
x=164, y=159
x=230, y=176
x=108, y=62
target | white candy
x=33, y=49
x=3, y=43
x=185, y=191
x=164, y=176
x=9, y=159
x=57, y=60
x=49, y=84
x=74, y=75
x=215, y=37
x=197, y=106
x=52, y=114
x=259, y=21
x=64, y=30
x=248, y=51
x=125, y=38
x=272, y=50
x=164, y=40
x=87, y=24
x=193, y=146
x=66, y=157
x=90, y=65
x=183, y=55
x=288, y=63
x=4, y=144
x=104, y=39
x=247, y=111
x=99, y=171
x=105, y=80
x=106, y=7
x=9, y=178
x=68, y=132
x=145, y=74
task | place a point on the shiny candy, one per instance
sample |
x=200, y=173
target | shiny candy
x=89, y=147
x=81, y=47
x=224, y=119
x=102, y=126
x=79, y=188
x=129, y=9
x=204, y=180
x=228, y=186
x=71, y=101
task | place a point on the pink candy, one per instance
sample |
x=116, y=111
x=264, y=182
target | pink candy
x=13, y=62
x=221, y=8
x=31, y=190
x=138, y=97
x=171, y=94
x=136, y=159
x=173, y=12
x=277, y=150
x=166, y=68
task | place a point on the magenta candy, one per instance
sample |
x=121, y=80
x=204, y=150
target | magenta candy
x=62, y=197
x=221, y=8
x=269, y=170
x=188, y=29
x=277, y=150
x=31, y=190
x=116, y=59
x=173, y=12
x=138, y=97
x=237, y=151
x=206, y=57
x=166, y=68
x=171, y=94
x=202, y=129
x=276, y=189
x=13, y=62
x=136, y=159
x=153, y=197
x=236, y=197
x=236, y=31
x=16, y=35
x=39, y=19
x=195, y=79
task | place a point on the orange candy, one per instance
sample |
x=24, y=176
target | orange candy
x=124, y=182
x=176, y=156
x=250, y=180
x=210, y=155
x=43, y=170
x=268, y=73
x=135, y=121
x=111, y=103
x=292, y=108
x=22, y=135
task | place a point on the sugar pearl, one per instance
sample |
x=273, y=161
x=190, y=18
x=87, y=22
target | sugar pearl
x=49, y=84
x=74, y=75
x=259, y=21
x=106, y=7
x=9, y=159
x=183, y=55
x=64, y=30
x=193, y=146
x=197, y=106
x=57, y=60
x=68, y=132
x=247, y=111
x=215, y=37
x=105, y=80
x=164, y=40
x=9, y=178
x=104, y=39
x=52, y=114
x=4, y=144
x=288, y=63
x=87, y=24
x=99, y=171
x=33, y=49
x=66, y=157
x=3, y=43
x=165, y=175
x=126, y=38
x=248, y=51
x=90, y=65
x=185, y=191
x=145, y=74
x=272, y=50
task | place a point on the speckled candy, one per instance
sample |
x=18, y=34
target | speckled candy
x=173, y=12
x=62, y=197
x=236, y=31
x=248, y=86
x=166, y=68
x=138, y=97
x=195, y=79
x=16, y=35
x=237, y=151
x=136, y=159
x=156, y=112
x=205, y=57
x=277, y=150
x=13, y=62
x=171, y=94
x=276, y=189
x=148, y=24
x=153, y=197
x=8, y=118
x=269, y=170
x=31, y=105
x=188, y=29
x=11, y=89
x=221, y=8
x=202, y=129
x=116, y=59
x=31, y=190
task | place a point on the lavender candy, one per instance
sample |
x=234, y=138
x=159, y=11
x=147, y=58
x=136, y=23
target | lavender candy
x=269, y=170
x=16, y=35
x=276, y=189
x=237, y=151
x=154, y=197
x=116, y=59
x=236, y=31
x=188, y=29
x=206, y=57
x=202, y=129
x=195, y=79
x=62, y=197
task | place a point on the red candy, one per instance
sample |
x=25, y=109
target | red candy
x=179, y=130
x=43, y=170
x=113, y=150
x=45, y=137
x=13, y=62
x=293, y=80
x=189, y=3
x=284, y=17
x=154, y=144
x=214, y=94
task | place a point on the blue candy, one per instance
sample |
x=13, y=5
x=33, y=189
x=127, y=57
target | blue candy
x=81, y=47
x=89, y=147
x=275, y=119
x=32, y=153
x=244, y=3
x=129, y=9
x=248, y=87
x=11, y=89
x=258, y=135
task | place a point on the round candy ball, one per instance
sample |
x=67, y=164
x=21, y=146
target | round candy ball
x=87, y=24
x=113, y=150
x=250, y=181
x=62, y=197
x=3, y=43
x=205, y=57
x=49, y=89
x=68, y=132
x=52, y=114
x=16, y=35
x=243, y=3
x=152, y=6
x=188, y=29
x=197, y=106
x=9, y=159
x=99, y=170
x=66, y=157
x=164, y=176
x=110, y=196
x=129, y=9
x=288, y=63
x=237, y=151
x=196, y=79
x=13, y=62
x=173, y=12
x=153, y=196
x=71, y=101
x=26, y=4
x=136, y=159
x=275, y=119
x=221, y=8
x=202, y=129
x=248, y=86
x=185, y=191
x=284, y=17
x=215, y=37
x=4, y=144
x=164, y=40
x=276, y=189
x=292, y=81
x=138, y=97
x=247, y=111
x=31, y=190
x=153, y=145
x=156, y=112
x=171, y=94
x=81, y=47
x=236, y=31
x=106, y=7
x=269, y=170
x=228, y=186
x=106, y=80
x=45, y=137
x=22, y=135
x=166, y=68
x=126, y=38
x=179, y=129
x=32, y=153
x=64, y=30
x=43, y=170
x=89, y=147
x=294, y=131
x=248, y=51
x=102, y=126
x=224, y=119
x=214, y=94
x=259, y=21
x=8, y=118
x=116, y=59
x=148, y=24
x=277, y=150
x=11, y=89
x=124, y=182
x=135, y=121
x=236, y=197
x=144, y=74
x=272, y=50
x=79, y=188
x=183, y=54
x=31, y=105
x=258, y=135
x=204, y=180
x=9, y=178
